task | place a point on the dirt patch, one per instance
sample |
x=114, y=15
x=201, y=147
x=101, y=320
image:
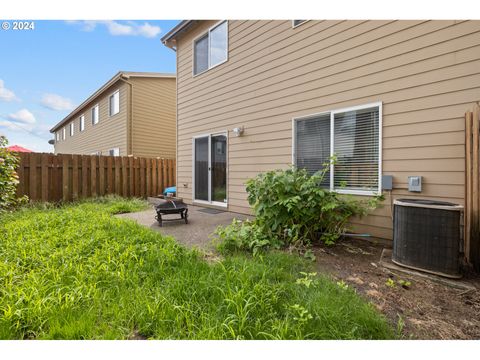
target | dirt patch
x=420, y=308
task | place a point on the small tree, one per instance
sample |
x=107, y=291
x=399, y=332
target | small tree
x=8, y=177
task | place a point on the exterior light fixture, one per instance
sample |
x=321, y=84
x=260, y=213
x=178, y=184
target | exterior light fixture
x=238, y=131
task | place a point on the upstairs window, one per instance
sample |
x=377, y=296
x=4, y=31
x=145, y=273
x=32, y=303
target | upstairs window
x=114, y=152
x=64, y=134
x=82, y=122
x=95, y=114
x=114, y=103
x=57, y=136
x=353, y=136
x=211, y=49
x=72, y=128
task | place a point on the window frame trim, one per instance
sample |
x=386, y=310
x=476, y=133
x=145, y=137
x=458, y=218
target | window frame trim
x=109, y=107
x=72, y=128
x=332, y=113
x=207, y=32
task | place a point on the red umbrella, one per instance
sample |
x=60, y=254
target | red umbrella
x=18, y=148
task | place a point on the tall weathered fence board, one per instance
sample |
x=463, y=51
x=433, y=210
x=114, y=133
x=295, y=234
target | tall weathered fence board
x=472, y=187
x=48, y=177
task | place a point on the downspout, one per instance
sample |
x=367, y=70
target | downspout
x=129, y=116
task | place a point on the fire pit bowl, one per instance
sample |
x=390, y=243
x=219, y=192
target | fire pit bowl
x=171, y=206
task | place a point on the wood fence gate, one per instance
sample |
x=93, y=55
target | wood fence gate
x=66, y=177
x=472, y=191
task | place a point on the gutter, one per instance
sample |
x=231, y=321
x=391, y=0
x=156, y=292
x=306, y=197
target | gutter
x=129, y=115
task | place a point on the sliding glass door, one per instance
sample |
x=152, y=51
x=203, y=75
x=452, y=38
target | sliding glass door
x=210, y=169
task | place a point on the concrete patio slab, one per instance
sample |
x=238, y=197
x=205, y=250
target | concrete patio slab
x=198, y=231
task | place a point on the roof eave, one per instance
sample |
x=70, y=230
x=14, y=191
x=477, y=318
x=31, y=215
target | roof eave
x=169, y=38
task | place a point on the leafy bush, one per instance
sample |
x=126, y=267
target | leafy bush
x=8, y=177
x=292, y=209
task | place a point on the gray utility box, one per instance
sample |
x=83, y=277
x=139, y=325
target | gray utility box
x=415, y=183
x=387, y=182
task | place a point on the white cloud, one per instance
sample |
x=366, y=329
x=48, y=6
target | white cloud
x=56, y=102
x=116, y=28
x=22, y=116
x=6, y=94
x=149, y=31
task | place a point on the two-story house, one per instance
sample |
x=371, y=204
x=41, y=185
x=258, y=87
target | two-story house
x=387, y=97
x=132, y=114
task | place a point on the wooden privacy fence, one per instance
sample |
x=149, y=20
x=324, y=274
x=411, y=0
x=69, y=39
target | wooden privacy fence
x=472, y=201
x=67, y=177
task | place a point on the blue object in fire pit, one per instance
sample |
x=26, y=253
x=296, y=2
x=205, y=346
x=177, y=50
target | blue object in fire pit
x=171, y=189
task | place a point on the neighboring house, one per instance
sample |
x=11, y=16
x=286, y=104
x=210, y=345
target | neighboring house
x=132, y=114
x=388, y=97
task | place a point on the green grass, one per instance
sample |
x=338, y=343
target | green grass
x=77, y=272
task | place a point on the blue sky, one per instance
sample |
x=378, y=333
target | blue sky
x=47, y=71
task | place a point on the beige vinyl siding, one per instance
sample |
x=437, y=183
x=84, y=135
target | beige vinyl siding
x=426, y=74
x=153, y=117
x=110, y=132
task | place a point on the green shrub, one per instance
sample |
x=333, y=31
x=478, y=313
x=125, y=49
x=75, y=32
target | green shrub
x=292, y=209
x=8, y=177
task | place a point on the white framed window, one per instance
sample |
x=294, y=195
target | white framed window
x=211, y=48
x=82, y=122
x=354, y=136
x=296, y=23
x=114, y=152
x=57, y=136
x=72, y=128
x=97, y=153
x=64, y=134
x=114, y=103
x=95, y=114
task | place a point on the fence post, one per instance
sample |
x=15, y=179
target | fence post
x=45, y=184
x=74, y=177
x=93, y=175
x=21, y=174
x=65, y=176
x=475, y=235
x=33, y=176
x=468, y=183
x=84, y=177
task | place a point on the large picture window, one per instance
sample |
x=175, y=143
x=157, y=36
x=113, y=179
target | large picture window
x=210, y=49
x=353, y=136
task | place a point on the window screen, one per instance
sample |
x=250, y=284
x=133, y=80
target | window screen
x=95, y=115
x=201, y=55
x=313, y=145
x=356, y=147
x=218, y=44
x=114, y=103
